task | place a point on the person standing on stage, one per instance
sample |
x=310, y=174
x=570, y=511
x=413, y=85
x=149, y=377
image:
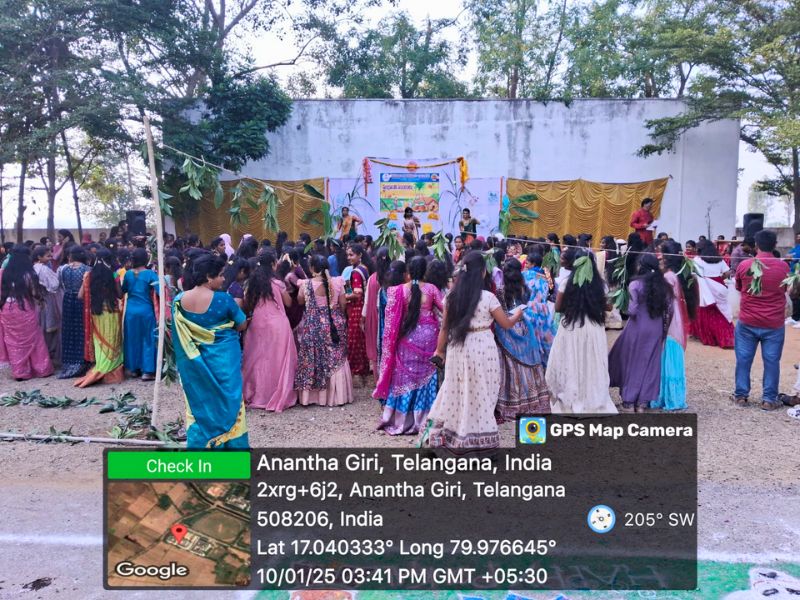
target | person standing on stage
x=468, y=226
x=641, y=219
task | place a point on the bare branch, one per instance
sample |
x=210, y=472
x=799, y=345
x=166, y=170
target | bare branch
x=282, y=63
x=235, y=21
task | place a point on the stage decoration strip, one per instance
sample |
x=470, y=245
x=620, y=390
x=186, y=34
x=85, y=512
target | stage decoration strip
x=581, y=206
x=413, y=166
x=209, y=222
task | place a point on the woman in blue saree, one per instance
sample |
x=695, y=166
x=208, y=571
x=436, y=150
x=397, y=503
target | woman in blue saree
x=209, y=358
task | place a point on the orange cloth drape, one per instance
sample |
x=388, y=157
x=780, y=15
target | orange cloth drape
x=580, y=206
x=209, y=222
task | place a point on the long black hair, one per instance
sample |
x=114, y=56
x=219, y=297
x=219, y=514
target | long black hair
x=674, y=263
x=437, y=274
x=464, y=297
x=174, y=267
x=382, y=263
x=396, y=275
x=280, y=241
x=416, y=270
x=609, y=244
x=234, y=266
x=259, y=286
x=583, y=302
x=708, y=252
x=248, y=248
x=657, y=292
x=340, y=252
x=632, y=254
x=193, y=254
x=20, y=281
x=102, y=284
x=421, y=248
x=319, y=264
x=515, y=290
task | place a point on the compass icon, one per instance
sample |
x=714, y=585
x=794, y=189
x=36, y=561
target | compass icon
x=601, y=518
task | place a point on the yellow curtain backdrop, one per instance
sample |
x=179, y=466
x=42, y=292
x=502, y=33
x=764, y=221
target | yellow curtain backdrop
x=294, y=201
x=581, y=206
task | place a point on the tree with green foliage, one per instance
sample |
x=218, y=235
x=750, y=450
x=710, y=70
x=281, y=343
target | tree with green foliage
x=752, y=75
x=639, y=49
x=395, y=59
x=51, y=83
x=520, y=48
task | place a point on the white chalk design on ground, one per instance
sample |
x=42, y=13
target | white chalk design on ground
x=769, y=583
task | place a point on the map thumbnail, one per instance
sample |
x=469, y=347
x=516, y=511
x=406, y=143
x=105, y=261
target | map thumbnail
x=211, y=519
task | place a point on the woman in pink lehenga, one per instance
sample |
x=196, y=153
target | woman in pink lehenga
x=408, y=381
x=269, y=360
x=21, y=339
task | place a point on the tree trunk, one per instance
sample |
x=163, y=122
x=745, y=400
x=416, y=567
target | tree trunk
x=513, y=82
x=2, y=223
x=71, y=173
x=51, y=196
x=21, y=200
x=796, y=187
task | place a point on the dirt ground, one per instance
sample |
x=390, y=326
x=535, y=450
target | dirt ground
x=748, y=472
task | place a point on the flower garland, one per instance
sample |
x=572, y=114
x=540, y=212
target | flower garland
x=367, y=173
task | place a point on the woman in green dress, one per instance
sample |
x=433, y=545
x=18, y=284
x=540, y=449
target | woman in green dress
x=101, y=294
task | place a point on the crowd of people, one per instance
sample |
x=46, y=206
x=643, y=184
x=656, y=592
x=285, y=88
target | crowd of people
x=450, y=346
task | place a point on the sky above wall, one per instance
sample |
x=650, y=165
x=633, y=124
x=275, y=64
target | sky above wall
x=271, y=49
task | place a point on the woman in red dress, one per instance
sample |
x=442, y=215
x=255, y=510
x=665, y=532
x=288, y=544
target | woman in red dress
x=356, y=342
x=642, y=219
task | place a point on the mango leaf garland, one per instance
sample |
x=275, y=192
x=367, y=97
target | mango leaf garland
x=582, y=271
x=620, y=297
x=688, y=270
x=793, y=279
x=321, y=215
x=270, y=201
x=756, y=271
x=517, y=212
x=552, y=261
x=489, y=261
x=440, y=250
x=387, y=238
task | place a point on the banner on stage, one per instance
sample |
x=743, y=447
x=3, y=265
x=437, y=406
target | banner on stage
x=420, y=191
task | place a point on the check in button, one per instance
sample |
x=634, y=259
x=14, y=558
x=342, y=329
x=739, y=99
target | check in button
x=178, y=465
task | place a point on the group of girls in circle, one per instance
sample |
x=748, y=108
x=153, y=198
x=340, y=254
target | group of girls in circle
x=449, y=346
x=91, y=315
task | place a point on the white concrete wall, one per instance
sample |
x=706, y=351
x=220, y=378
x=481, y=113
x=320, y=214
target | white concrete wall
x=590, y=139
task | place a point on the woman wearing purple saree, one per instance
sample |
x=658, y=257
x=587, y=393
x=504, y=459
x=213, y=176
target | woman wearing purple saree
x=408, y=382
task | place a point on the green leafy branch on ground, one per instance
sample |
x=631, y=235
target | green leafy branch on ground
x=134, y=419
x=36, y=397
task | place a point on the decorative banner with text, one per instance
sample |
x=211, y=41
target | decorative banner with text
x=482, y=196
